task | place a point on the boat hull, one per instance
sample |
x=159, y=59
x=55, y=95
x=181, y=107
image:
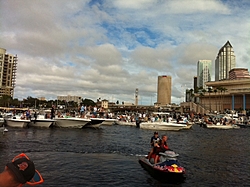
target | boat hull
x=43, y=123
x=94, y=123
x=108, y=121
x=221, y=126
x=161, y=174
x=17, y=123
x=164, y=126
x=125, y=123
x=71, y=122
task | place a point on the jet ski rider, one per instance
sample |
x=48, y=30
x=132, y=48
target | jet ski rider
x=154, y=142
x=161, y=147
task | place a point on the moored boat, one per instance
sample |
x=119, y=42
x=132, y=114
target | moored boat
x=21, y=123
x=94, y=123
x=126, y=123
x=165, y=125
x=108, y=121
x=220, y=126
x=40, y=121
x=71, y=122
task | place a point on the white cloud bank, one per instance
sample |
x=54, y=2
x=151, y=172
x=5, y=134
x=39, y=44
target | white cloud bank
x=107, y=49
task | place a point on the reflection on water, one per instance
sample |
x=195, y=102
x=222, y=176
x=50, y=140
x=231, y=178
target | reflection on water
x=109, y=156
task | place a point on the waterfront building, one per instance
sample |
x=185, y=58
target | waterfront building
x=41, y=98
x=8, y=67
x=225, y=61
x=69, y=98
x=105, y=103
x=238, y=73
x=204, y=69
x=164, y=90
x=231, y=94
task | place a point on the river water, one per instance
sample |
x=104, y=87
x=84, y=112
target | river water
x=109, y=156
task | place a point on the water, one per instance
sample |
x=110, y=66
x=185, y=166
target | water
x=109, y=156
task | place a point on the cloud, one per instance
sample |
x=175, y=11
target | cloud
x=107, y=49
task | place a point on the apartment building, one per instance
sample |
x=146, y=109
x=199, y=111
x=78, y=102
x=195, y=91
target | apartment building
x=68, y=98
x=8, y=67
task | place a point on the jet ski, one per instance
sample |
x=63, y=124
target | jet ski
x=167, y=168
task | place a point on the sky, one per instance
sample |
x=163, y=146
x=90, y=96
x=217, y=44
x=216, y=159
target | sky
x=107, y=48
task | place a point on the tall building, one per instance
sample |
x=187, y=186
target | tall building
x=164, y=90
x=136, y=96
x=224, y=62
x=204, y=69
x=195, y=82
x=8, y=68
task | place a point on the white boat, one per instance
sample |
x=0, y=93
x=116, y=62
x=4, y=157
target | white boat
x=108, y=121
x=220, y=126
x=94, y=123
x=165, y=126
x=71, y=122
x=22, y=123
x=126, y=123
x=40, y=121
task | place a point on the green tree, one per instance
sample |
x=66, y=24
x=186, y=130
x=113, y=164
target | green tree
x=88, y=102
x=5, y=100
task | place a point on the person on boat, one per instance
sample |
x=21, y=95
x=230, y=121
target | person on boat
x=23, y=116
x=82, y=111
x=154, y=142
x=28, y=114
x=52, y=112
x=19, y=172
x=161, y=147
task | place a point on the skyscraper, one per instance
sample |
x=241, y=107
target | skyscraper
x=195, y=82
x=224, y=62
x=164, y=90
x=204, y=68
x=8, y=64
x=136, y=96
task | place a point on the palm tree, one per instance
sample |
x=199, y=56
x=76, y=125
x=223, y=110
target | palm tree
x=209, y=90
x=223, y=90
x=215, y=91
x=200, y=96
x=203, y=91
x=220, y=89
